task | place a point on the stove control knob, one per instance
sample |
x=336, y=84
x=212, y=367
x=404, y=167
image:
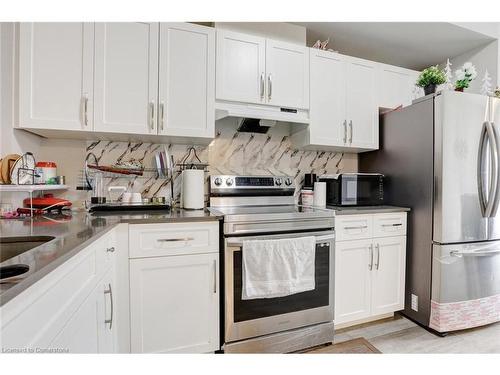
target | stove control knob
x=278, y=181
x=288, y=181
x=229, y=181
x=218, y=181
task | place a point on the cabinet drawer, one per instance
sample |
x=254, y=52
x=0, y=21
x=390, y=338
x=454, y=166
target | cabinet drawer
x=149, y=240
x=353, y=227
x=390, y=224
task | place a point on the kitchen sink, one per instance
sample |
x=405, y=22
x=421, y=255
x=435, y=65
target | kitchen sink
x=13, y=270
x=13, y=246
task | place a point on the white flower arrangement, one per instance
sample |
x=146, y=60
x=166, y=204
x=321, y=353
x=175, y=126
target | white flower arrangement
x=465, y=76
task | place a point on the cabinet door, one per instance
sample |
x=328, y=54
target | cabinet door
x=187, y=80
x=174, y=304
x=388, y=276
x=352, y=280
x=126, y=77
x=362, y=106
x=240, y=70
x=287, y=68
x=327, y=99
x=55, y=75
x=397, y=86
x=81, y=332
x=91, y=329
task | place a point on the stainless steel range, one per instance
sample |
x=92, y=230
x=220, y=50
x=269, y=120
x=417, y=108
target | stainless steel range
x=262, y=207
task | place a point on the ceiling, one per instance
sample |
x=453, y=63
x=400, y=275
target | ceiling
x=414, y=45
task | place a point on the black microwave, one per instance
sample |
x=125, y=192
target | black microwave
x=354, y=189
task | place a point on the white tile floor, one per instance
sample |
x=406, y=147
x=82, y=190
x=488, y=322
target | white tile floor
x=400, y=335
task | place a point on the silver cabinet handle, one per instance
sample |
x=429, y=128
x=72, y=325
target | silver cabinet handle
x=215, y=276
x=360, y=227
x=377, y=264
x=152, y=115
x=392, y=225
x=175, y=239
x=370, y=265
x=262, y=86
x=350, y=126
x=110, y=249
x=161, y=115
x=85, y=105
x=345, y=131
x=110, y=320
x=269, y=86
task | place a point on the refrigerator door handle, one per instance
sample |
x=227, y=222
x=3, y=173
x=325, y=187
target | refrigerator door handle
x=496, y=197
x=492, y=139
x=477, y=253
x=480, y=162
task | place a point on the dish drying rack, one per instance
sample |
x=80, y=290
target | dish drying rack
x=169, y=171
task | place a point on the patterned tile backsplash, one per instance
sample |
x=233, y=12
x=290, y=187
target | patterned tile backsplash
x=231, y=152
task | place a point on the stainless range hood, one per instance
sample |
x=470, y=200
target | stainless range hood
x=260, y=112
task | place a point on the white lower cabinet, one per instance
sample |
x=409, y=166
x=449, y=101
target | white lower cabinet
x=369, y=272
x=388, y=275
x=72, y=309
x=174, y=299
x=91, y=330
x=352, y=281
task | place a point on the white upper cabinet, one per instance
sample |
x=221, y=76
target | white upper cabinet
x=397, y=86
x=343, y=105
x=287, y=70
x=241, y=67
x=55, y=75
x=126, y=77
x=251, y=69
x=361, y=103
x=327, y=109
x=186, y=80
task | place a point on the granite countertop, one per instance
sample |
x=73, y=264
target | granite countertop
x=353, y=210
x=74, y=231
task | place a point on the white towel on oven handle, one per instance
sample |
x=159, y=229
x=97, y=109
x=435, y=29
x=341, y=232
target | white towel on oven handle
x=278, y=268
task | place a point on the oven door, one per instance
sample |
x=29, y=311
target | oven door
x=251, y=318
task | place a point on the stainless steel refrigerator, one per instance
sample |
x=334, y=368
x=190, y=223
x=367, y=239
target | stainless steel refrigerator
x=441, y=158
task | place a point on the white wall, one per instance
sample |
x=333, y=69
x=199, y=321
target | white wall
x=275, y=30
x=486, y=57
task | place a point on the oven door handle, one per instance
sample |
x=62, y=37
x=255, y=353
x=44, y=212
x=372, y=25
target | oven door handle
x=238, y=241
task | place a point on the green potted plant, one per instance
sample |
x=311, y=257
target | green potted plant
x=465, y=76
x=430, y=78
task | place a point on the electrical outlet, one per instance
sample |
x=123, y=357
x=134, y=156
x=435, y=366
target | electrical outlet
x=414, y=302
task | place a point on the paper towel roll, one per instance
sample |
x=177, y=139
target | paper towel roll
x=319, y=194
x=193, y=189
